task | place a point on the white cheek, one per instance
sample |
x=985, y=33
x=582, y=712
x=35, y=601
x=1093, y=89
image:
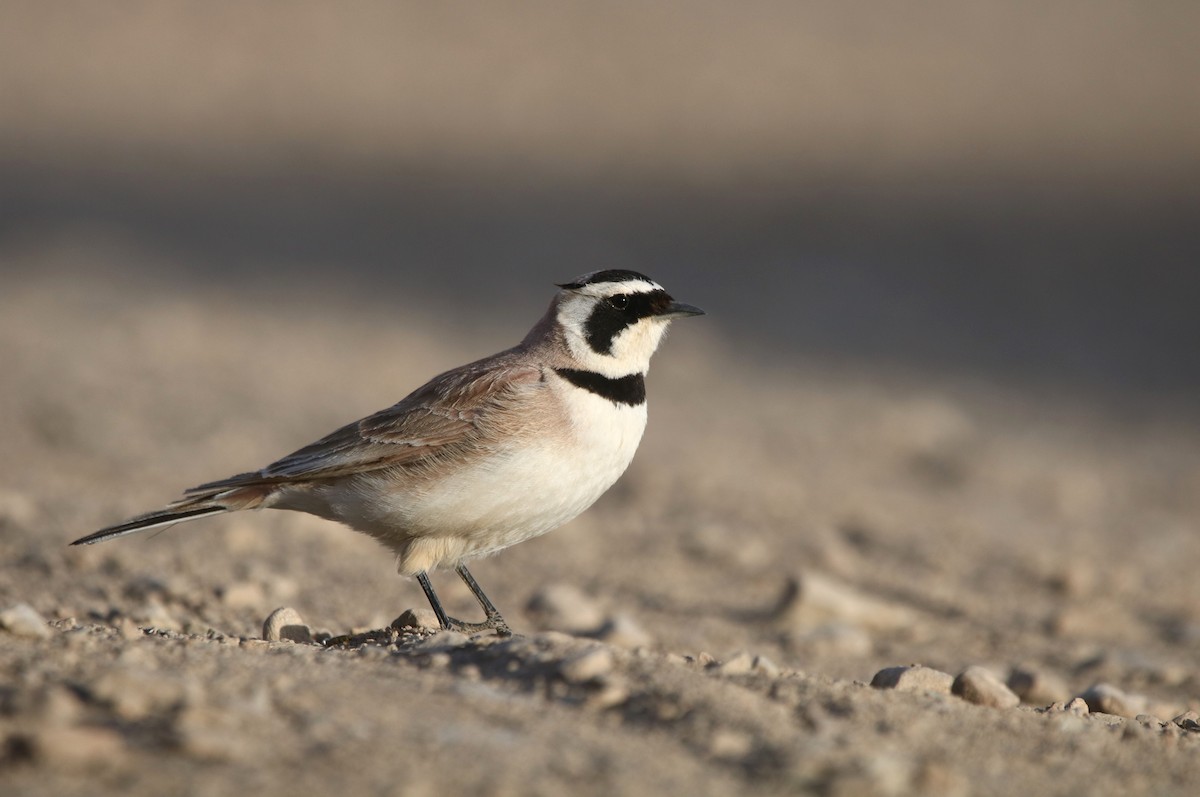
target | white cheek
x=634, y=346
x=631, y=348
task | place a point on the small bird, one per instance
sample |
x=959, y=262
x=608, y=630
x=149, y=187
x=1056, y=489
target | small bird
x=482, y=457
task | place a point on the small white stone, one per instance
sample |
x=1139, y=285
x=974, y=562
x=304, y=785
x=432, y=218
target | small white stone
x=285, y=623
x=561, y=607
x=153, y=614
x=764, y=666
x=589, y=665
x=624, y=632
x=1037, y=687
x=914, y=678
x=417, y=619
x=1077, y=706
x=23, y=620
x=740, y=663
x=981, y=686
x=743, y=663
x=1108, y=699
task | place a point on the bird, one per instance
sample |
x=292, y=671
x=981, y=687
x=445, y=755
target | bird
x=480, y=457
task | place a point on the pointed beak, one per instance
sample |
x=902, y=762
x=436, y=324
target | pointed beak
x=680, y=310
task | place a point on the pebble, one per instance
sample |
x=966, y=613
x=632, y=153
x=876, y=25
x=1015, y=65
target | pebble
x=810, y=599
x=745, y=663
x=624, y=632
x=285, y=623
x=417, y=618
x=1153, y=723
x=738, y=664
x=913, y=678
x=1188, y=721
x=153, y=614
x=562, y=607
x=1109, y=720
x=23, y=620
x=764, y=666
x=591, y=664
x=1108, y=699
x=1077, y=706
x=980, y=686
x=1038, y=687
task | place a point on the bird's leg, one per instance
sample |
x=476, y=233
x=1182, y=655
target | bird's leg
x=494, y=621
x=443, y=620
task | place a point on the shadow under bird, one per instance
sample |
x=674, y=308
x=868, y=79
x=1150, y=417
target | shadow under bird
x=483, y=456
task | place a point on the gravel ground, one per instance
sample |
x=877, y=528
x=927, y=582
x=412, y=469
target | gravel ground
x=741, y=614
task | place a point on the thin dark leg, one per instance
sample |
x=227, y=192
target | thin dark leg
x=423, y=580
x=494, y=621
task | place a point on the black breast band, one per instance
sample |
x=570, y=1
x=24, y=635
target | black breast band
x=629, y=390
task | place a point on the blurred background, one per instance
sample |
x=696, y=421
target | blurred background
x=1004, y=190
x=948, y=249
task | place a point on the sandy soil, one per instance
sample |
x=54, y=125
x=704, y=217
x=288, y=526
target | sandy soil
x=1003, y=189
x=710, y=627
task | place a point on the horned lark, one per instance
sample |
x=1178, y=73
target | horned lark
x=481, y=457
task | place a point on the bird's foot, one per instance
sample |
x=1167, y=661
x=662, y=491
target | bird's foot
x=493, y=623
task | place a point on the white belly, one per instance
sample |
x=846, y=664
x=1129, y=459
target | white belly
x=517, y=492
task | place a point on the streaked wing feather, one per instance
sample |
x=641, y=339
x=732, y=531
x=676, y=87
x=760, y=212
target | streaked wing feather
x=441, y=419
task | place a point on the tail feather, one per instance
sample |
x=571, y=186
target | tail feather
x=150, y=520
x=190, y=508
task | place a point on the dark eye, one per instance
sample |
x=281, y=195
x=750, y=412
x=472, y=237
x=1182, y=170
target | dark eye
x=620, y=301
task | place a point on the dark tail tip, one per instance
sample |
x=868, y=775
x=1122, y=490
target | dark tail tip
x=148, y=521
